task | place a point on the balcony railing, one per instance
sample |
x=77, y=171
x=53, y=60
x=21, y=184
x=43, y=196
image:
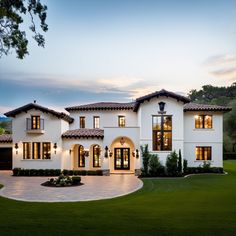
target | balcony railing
x=37, y=128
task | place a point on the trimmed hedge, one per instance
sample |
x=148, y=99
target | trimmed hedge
x=199, y=170
x=53, y=172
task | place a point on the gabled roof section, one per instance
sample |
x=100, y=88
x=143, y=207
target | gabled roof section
x=103, y=106
x=161, y=93
x=59, y=115
x=205, y=107
x=84, y=133
x=5, y=138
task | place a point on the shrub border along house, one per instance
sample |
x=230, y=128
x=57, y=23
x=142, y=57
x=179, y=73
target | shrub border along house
x=53, y=172
x=174, y=167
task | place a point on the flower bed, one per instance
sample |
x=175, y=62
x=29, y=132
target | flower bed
x=63, y=181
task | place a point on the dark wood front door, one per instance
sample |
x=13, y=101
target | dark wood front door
x=5, y=158
x=122, y=159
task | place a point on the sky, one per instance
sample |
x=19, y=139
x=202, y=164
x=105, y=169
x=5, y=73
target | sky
x=119, y=50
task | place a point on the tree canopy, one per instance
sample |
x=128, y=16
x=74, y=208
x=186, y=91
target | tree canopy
x=12, y=13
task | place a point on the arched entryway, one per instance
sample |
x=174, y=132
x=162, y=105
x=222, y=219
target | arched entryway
x=122, y=155
x=79, y=154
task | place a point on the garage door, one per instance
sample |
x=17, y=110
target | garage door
x=5, y=158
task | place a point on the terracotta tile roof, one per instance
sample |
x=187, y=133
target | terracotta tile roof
x=29, y=106
x=84, y=133
x=205, y=107
x=5, y=138
x=103, y=106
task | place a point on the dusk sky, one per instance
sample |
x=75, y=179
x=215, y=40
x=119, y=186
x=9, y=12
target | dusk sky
x=120, y=50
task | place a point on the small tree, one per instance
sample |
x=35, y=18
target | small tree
x=2, y=130
x=172, y=164
x=145, y=156
x=180, y=162
x=185, y=164
x=155, y=166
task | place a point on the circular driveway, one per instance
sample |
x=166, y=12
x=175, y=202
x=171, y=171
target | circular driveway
x=94, y=188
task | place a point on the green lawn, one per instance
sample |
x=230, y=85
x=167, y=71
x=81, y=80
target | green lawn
x=199, y=205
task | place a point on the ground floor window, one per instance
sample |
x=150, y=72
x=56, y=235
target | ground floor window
x=96, y=156
x=46, y=150
x=203, y=153
x=36, y=151
x=26, y=150
x=81, y=156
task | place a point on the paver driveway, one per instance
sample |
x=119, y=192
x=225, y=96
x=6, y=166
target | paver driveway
x=94, y=188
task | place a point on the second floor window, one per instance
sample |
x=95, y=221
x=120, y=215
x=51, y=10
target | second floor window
x=203, y=122
x=121, y=121
x=82, y=122
x=35, y=122
x=162, y=133
x=96, y=122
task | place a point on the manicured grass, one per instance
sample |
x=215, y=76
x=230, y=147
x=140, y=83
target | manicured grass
x=199, y=205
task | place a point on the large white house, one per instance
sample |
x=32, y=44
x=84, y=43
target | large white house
x=108, y=135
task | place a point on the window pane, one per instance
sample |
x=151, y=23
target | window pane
x=198, y=122
x=167, y=122
x=46, y=150
x=26, y=151
x=96, y=156
x=82, y=122
x=35, y=122
x=96, y=122
x=156, y=122
x=121, y=121
x=203, y=153
x=167, y=141
x=36, y=150
x=156, y=141
x=208, y=122
x=81, y=156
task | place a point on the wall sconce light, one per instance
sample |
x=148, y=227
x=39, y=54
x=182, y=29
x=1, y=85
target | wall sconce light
x=16, y=147
x=86, y=153
x=161, y=106
x=106, y=152
x=55, y=148
x=137, y=153
x=122, y=141
x=133, y=153
x=70, y=151
x=110, y=153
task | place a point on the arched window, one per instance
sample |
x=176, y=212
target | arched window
x=96, y=156
x=81, y=156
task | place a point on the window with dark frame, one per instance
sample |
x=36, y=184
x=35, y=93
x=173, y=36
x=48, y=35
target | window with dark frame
x=47, y=150
x=35, y=122
x=81, y=156
x=82, y=122
x=121, y=121
x=96, y=122
x=162, y=133
x=96, y=156
x=26, y=150
x=36, y=151
x=203, y=153
x=203, y=121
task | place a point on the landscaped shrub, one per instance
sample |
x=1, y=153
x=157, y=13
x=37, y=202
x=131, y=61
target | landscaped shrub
x=200, y=170
x=206, y=166
x=76, y=179
x=36, y=172
x=180, y=162
x=185, y=165
x=99, y=172
x=65, y=172
x=91, y=172
x=172, y=164
x=145, y=155
x=155, y=168
x=16, y=171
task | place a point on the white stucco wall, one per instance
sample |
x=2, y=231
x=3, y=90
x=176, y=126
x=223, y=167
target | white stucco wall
x=53, y=128
x=108, y=118
x=173, y=108
x=203, y=137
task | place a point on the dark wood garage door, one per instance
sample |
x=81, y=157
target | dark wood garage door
x=5, y=158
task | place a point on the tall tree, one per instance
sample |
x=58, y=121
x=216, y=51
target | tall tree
x=12, y=13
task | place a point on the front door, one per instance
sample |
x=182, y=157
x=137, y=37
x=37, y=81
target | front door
x=122, y=159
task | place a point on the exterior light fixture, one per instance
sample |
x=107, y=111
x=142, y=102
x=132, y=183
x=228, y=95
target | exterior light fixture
x=122, y=141
x=137, y=153
x=133, y=153
x=106, y=152
x=70, y=151
x=55, y=148
x=110, y=153
x=161, y=106
x=86, y=153
x=16, y=147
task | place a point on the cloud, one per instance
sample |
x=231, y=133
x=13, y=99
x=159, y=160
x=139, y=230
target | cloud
x=222, y=66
